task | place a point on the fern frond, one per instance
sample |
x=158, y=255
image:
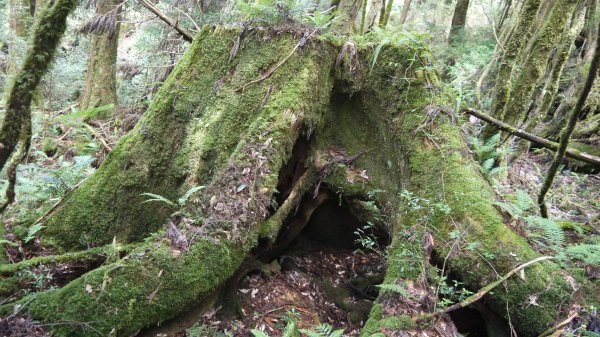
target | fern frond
x=394, y=288
x=158, y=198
x=552, y=233
x=588, y=253
x=184, y=199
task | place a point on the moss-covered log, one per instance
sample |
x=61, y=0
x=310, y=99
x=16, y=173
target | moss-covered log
x=224, y=125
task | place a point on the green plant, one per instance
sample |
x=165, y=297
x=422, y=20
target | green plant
x=451, y=293
x=488, y=153
x=323, y=330
x=202, y=330
x=396, y=288
x=175, y=205
x=366, y=237
x=32, y=231
x=587, y=253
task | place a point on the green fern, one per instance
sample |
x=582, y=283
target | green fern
x=587, y=253
x=158, y=198
x=184, y=199
x=548, y=230
x=323, y=330
x=395, y=288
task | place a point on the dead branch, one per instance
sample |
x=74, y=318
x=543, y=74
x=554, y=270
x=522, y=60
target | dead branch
x=182, y=31
x=571, y=153
x=477, y=296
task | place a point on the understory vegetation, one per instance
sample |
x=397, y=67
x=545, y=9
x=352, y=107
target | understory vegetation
x=300, y=168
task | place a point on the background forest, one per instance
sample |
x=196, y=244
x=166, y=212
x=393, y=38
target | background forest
x=522, y=62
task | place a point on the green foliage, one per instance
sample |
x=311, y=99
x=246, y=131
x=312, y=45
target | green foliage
x=587, y=253
x=451, y=292
x=487, y=154
x=178, y=205
x=396, y=288
x=32, y=232
x=546, y=230
x=366, y=237
x=202, y=330
x=92, y=113
x=404, y=38
x=323, y=330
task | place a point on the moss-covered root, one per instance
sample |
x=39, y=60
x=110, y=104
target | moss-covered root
x=190, y=130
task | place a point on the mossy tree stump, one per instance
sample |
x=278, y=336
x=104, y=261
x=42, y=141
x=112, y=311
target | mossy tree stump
x=229, y=119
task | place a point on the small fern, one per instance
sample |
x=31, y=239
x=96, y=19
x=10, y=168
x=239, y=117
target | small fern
x=548, y=230
x=323, y=330
x=395, y=288
x=587, y=253
x=182, y=201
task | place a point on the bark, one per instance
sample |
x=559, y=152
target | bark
x=250, y=139
x=459, y=19
x=374, y=14
x=46, y=35
x=521, y=33
x=100, y=87
x=537, y=60
x=386, y=15
x=347, y=11
x=566, y=134
x=404, y=12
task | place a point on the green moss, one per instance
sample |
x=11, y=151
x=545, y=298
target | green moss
x=403, y=322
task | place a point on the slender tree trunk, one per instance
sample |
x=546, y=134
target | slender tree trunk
x=100, y=87
x=44, y=42
x=512, y=48
x=348, y=11
x=566, y=134
x=459, y=19
x=386, y=15
x=535, y=65
x=374, y=14
x=404, y=11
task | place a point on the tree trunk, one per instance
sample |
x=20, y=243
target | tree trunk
x=374, y=14
x=459, y=19
x=536, y=61
x=35, y=64
x=347, y=11
x=519, y=36
x=255, y=141
x=404, y=12
x=100, y=87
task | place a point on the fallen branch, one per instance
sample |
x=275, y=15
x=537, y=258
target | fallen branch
x=559, y=325
x=477, y=296
x=571, y=153
x=182, y=31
